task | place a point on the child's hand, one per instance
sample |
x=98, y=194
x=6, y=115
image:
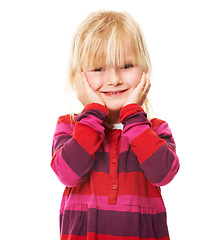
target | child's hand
x=139, y=94
x=85, y=94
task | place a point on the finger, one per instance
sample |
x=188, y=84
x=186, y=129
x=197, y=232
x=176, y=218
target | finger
x=83, y=77
x=142, y=82
x=145, y=82
x=148, y=85
x=144, y=79
x=78, y=79
x=84, y=80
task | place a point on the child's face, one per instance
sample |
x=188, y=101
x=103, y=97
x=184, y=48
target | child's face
x=114, y=84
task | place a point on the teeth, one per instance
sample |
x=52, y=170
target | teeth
x=113, y=93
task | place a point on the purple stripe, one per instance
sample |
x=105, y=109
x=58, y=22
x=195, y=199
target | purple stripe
x=128, y=162
x=59, y=142
x=97, y=113
x=170, y=141
x=139, y=117
x=173, y=171
x=73, y=222
x=136, y=224
x=159, y=164
x=64, y=173
x=79, y=160
x=102, y=162
x=114, y=223
x=162, y=129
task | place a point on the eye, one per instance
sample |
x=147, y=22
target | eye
x=126, y=66
x=98, y=69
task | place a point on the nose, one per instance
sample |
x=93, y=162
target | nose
x=113, y=77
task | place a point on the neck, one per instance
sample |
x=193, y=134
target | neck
x=113, y=117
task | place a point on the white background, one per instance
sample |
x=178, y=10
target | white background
x=34, y=48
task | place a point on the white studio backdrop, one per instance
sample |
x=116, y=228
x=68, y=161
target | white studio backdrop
x=34, y=49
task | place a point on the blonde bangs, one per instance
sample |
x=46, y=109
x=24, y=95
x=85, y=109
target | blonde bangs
x=113, y=50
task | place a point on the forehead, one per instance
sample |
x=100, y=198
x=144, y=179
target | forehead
x=113, y=54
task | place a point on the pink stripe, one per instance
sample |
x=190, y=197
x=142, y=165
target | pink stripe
x=124, y=146
x=127, y=208
x=131, y=131
x=64, y=199
x=171, y=174
x=156, y=203
x=93, y=122
x=124, y=203
x=76, y=207
x=64, y=172
x=119, y=208
x=63, y=128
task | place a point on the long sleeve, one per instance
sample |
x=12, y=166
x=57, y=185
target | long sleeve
x=152, y=143
x=75, y=144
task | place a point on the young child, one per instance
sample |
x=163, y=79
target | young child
x=111, y=157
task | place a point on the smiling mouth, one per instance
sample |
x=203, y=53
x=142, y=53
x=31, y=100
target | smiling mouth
x=114, y=93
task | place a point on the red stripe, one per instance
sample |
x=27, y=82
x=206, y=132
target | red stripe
x=146, y=144
x=93, y=236
x=83, y=188
x=72, y=237
x=136, y=184
x=109, y=237
x=130, y=109
x=96, y=106
x=64, y=119
x=156, y=122
x=87, y=138
x=67, y=191
x=128, y=184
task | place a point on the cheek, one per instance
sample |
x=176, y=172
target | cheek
x=133, y=79
x=94, y=80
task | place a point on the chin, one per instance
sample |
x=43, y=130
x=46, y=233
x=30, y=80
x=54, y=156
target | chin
x=115, y=105
x=114, y=109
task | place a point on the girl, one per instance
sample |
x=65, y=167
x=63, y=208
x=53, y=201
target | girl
x=111, y=157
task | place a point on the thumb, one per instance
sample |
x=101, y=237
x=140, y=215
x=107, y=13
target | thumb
x=84, y=80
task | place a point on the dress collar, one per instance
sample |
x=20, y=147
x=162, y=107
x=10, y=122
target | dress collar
x=114, y=126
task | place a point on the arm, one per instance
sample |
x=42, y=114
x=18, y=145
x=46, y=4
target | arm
x=155, y=150
x=74, y=147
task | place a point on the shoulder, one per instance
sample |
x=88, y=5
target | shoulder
x=156, y=122
x=67, y=119
x=65, y=124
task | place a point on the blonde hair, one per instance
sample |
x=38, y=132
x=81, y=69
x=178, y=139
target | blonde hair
x=103, y=38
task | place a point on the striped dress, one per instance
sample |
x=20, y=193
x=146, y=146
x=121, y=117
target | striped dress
x=113, y=176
